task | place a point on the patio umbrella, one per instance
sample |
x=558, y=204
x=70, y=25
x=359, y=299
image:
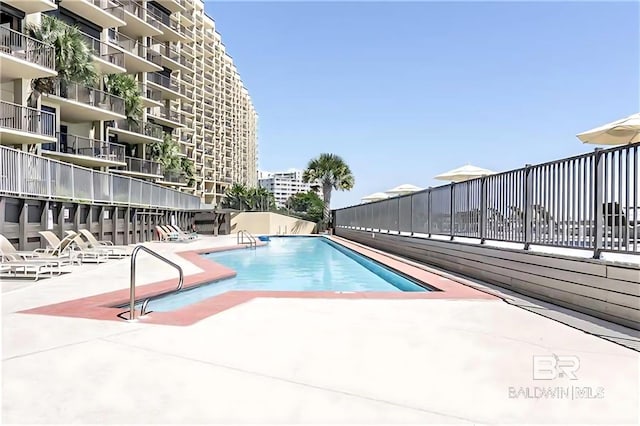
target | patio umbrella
x=376, y=196
x=406, y=188
x=619, y=132
x=464, y=173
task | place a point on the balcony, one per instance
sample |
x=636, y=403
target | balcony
x=166, y=117
x=106, y=58
x=171, y=30
x=150, y=97
x=169, y=57
x=142, y=168
x=137, y=56
x=137, y=26
x=105, y=13
x=85, y=151
x=172, y=178
x=80, y=103
x=136, y=133
x=32, y=6
x=20, y=125
x=168, y=86
x=173, y=5
x=24, y=57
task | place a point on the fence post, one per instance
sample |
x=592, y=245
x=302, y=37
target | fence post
x=452, y=206
x=429, y=212
x=398, y=221
x=483, y=209
x=528, y=208
x=598, y=217
x=411, y=214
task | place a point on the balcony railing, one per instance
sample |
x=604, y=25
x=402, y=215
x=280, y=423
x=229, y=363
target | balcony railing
x=163, y=81
x=112, y=7
x=147, y=129
x=133, y=7
x=88, y=95
x=28, y=175
x=26, y=119
x=157, y=17
x=174, y=177
x=167, y=113
x=24, y=47
x=101, y=50
x=140, y=165
x=88, y=147
x=166, y=51
x=135, y=47
x=150, y=93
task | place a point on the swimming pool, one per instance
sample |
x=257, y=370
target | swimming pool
x=293, y=264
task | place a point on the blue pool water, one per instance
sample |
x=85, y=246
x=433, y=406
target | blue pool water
x=293, y=264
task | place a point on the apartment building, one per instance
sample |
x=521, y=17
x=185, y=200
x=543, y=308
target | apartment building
x=189, y=86
x=285, y=184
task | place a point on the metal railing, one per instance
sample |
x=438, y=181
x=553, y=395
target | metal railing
x=26, y=119
x=157, y=18
x=133, y=7
x=590, y=201
x=88, y=147
x=112, y=7
x=101, y=50
x=132, y=279
x=24, y=47
x=28, y=175
x=174, y=177
x=141, y=165
x=147, y=129
x=149, y=92
x=251, y=239
x=88, y=95
x=167, y=114
x=164, y=81
x=165, y=51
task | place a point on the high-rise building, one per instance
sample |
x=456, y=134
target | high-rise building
x=190, y=90
x=285, y=184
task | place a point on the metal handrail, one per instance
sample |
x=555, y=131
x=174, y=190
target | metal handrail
x=132, y=302
x=253, y=243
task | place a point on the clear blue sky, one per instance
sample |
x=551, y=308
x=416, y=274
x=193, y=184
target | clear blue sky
x=405, y=91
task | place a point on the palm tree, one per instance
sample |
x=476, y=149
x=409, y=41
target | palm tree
x=189, y=170
x=73, y=57
x=126, y=87
x=260, y=199
x=236, y=197
x=167, y=153
x=330, y=172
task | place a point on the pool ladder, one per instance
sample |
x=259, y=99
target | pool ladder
x=132, y=282
x=253, y=243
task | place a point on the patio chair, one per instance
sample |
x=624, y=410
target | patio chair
x=110, y=252
x=7, y=249
x=14, y=266
x=68, y=246
x=94, y=243
x=189, y=235
x=165, y=235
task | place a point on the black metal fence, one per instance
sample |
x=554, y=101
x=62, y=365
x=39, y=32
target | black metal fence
x=590, y=201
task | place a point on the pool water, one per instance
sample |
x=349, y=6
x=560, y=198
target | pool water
x=293, y=264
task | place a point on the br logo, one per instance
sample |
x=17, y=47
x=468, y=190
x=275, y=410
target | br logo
x=549, y=367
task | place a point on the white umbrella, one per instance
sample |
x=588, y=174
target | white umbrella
x=464, y=173
x=406, y=188
x=619, y=132
x=376, y=196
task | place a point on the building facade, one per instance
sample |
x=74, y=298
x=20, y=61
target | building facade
x=285, y=184
x=191, y=93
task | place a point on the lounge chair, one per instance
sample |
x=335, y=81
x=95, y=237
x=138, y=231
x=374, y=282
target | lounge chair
x=113, y=252
x=13, y=266
x=181, y=233
x=165, y=235
x=69, y=247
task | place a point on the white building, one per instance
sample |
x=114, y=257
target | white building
x=284, y=184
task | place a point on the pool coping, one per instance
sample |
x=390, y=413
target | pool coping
x=103, y=306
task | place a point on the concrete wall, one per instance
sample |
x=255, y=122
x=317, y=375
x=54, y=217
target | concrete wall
x=21, y=219
x=606, y=290
x=270, y=223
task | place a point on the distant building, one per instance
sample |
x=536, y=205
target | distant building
x=284, y=184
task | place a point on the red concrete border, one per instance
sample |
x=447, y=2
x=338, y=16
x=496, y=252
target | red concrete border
x=100, y=306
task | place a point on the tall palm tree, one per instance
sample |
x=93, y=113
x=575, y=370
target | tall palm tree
x=236, y=197
x=166, y=153
x=330, y=172
x=73, y=57
x=260, y=199
x=126, y=86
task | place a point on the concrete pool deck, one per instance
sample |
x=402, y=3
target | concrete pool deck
x=302, y=360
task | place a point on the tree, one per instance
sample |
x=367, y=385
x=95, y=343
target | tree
x=73, y=57
x=126, y=87
x=189, y=170
x=308, y=204
x=330, y=172
x=167, y=153
x=236, y=197
x=239, y=197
